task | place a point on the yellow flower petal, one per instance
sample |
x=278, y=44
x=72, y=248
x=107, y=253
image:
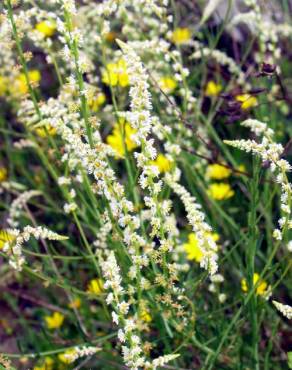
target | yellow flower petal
x=54, y=321
x=3, y=174
x=213, y=89
x=248, y=101
x=167, y=84
x=192, y=248
x=220, y=191
x=5, y=237
x=118, y=141
x=261, y=289
x=218, y=172
x=181, y=35
x=95, y=286
x=163, y=164
x=46, y=28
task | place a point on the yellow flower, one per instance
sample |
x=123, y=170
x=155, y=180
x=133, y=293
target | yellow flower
x=248, y=101
x=167, y=84
x=55, y=321
x=5, y=237
x=3, y=174
x=3, y=85
x=76, y=303
x=118, y=142
x=213, y=89
x=181, y=35
x=145, y=316
x=44, y=132
x=20, y=85
x=96, y=102
x=63, y=356
x=47, y=365
x=115, y=74
x=218, y=172
x=220, y=191
x=47, y=28
x=192, y=248
x=95, y=286
x=262, y=287
x=163, y=164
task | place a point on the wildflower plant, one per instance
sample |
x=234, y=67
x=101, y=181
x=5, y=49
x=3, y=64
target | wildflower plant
x=145, y=184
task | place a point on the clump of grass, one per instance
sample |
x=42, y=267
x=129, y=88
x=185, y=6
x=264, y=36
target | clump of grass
x=145, y=184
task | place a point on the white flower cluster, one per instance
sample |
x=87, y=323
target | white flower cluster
x=103, y=232
x=196, y=219
x=132, y=349
x=286, y=310
x=18, y=204
x=141, y=120
x=133, y=355
x=160, y=361
x=13, y=248
x=270, y=152
x=80, y=352
x=258, y=127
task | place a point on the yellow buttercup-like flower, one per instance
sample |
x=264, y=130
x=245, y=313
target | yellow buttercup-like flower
x=95, y=286
x=115, y=74
x=181, y=35
x=167, y=84
x=46, y=131
x=163, y=164
x=217, y=172
x=192, y=248
x=262, y=287
x=76, y=303
x=248, y=101
x=121, y=137
x=213, y=89
x=20, y=85
x=220, y=191
x=96, y=101
x=46, y=28
x=3, y=174
x=54, y=321
x=145, y=316
x=5, y=237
